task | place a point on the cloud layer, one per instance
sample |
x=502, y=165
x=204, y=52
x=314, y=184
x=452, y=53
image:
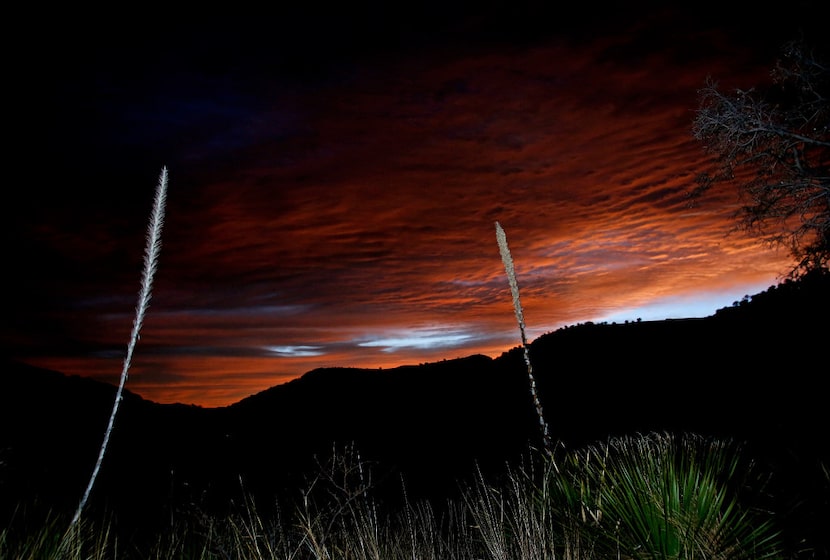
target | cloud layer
x=350, y=221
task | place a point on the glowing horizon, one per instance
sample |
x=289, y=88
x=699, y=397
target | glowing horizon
x=349, y=221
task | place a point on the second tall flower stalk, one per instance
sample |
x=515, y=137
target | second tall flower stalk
x=507, y=259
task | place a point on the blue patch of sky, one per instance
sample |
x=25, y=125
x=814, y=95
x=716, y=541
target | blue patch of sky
x=683, y=307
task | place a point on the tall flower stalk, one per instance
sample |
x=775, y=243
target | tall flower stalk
x=151, y=253
x=507, y=259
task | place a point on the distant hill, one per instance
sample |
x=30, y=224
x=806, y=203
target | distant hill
x=753, y=372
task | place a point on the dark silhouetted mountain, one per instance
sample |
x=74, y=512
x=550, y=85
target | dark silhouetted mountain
x=754, y=372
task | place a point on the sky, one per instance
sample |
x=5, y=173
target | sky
x=335, y=180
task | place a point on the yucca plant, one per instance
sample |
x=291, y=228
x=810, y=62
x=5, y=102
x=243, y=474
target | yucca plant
x=656, y=496
x=664, y=496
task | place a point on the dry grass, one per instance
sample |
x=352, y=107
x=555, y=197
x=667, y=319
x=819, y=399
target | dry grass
x=647, y=496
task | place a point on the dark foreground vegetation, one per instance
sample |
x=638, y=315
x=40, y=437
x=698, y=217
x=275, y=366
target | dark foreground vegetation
x=442, y=460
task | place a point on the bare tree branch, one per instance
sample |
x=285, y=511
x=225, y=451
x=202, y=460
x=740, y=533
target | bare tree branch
x=774, y=142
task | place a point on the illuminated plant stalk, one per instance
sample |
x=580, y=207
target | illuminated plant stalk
x=507, y=259
x=151, y=253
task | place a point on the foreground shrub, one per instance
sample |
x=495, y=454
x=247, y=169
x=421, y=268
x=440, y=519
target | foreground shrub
x=664, y=496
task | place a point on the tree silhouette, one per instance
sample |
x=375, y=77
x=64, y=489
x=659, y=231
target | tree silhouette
x=774, y=142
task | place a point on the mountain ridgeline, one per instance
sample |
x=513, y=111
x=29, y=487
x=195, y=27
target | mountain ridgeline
x=754, y=372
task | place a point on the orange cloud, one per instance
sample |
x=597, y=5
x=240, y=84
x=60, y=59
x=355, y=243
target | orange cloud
x=365, y=237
